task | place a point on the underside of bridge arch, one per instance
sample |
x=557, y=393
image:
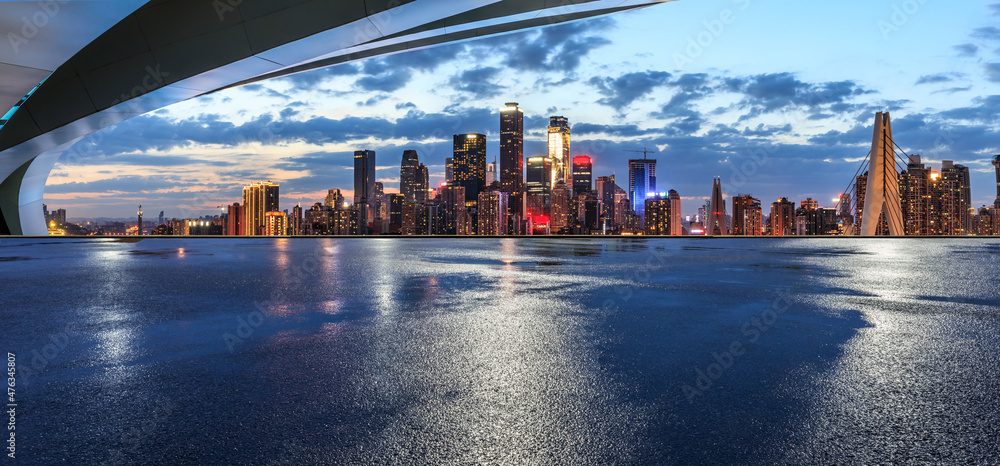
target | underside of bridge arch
x=165, y=51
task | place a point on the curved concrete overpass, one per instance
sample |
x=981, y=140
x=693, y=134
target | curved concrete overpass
x=76, y=67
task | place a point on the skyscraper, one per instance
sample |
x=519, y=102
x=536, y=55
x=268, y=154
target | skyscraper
x=470, y=164
x=782, y=220
x=747, y=216
x=559, y=150
x=449, y=170
x=675, y=213
x=364, y=187
x=717, y=223
x=641, y=184
x=919, y=199
x=512, y=154
x=421, y=184
x=258, y=200
x=408, y=172
x=491, y=173
x=139, y=224
x=295, y=224
x=492, y=215
x=583, y=168
x=560, y=202
x=539, y=184
x=956, y=199
x=657, y=209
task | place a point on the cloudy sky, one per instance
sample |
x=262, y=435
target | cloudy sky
x=777, y=98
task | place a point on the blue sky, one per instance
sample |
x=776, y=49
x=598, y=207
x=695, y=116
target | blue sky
x=776, y=97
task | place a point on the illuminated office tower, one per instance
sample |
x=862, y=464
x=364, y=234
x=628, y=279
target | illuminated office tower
x=234, y=220
x=408, y=175
x=559, y=150
x=422, y=184
x=275, y=224
x=919, y=199
x=717, y=224
x=512, y=154
x=364, y=188
x=641, y=184
x=470, y=164
x=657, y=209
x=539, y=184
x=139, y=224
x=491, y=173
x=258, y=200
x=560, y=207
x=449, y=170
x=295, y=223
x=782, y=220
x=396, y=203
x=583, y=168
x=456, y=216
x=956, y=199
x=605, y=188
x=747, y=216
x=675, y=213
x=492, y=217
x=334, y=199
x=379, y=209
x=809, y=204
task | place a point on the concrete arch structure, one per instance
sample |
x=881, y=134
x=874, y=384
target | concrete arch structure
x=78, y=67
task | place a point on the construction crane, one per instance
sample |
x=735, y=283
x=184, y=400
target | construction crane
x=644, y=152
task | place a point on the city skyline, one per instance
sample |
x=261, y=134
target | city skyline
x=709, y=112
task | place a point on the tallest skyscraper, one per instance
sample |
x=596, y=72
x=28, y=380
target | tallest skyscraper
x=512, y=155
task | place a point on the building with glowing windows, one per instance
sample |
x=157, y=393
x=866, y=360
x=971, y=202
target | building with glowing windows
x=583, y=174
x=258, y=200
x=469, y=160
x=539, y=184
x=512, y=154
x=747, y=216
x=641, y=185
x=559, y=150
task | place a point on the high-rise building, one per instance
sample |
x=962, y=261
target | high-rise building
x=422, y=184
x=717, y=223
x=583, y=168
x=159, y=220
x=453, y=200
x=559, y=150
x=449, y=170
x=491, y=173
x=641, y=184
x=782, y=220
x=396, y=203
x=675, y=213
x=809, y=204
x=276, y=224
x=470, y=164
x=380, y=208
x=234, y=220
x=747, y=216
x=539, y=184
x=295, y=220
x=334, y=199
x=560, y=217
x=657, y=209
x=605, y=187
x=258, y=200
x=408, y=174
x=512, y=154
x=139, y=224
x=364, y=188
x=492, y=215
x=919, y=199
x=956, y=199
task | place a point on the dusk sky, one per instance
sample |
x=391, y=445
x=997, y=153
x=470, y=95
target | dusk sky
x=777, y=98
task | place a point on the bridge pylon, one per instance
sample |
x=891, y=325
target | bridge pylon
x=882, y=190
